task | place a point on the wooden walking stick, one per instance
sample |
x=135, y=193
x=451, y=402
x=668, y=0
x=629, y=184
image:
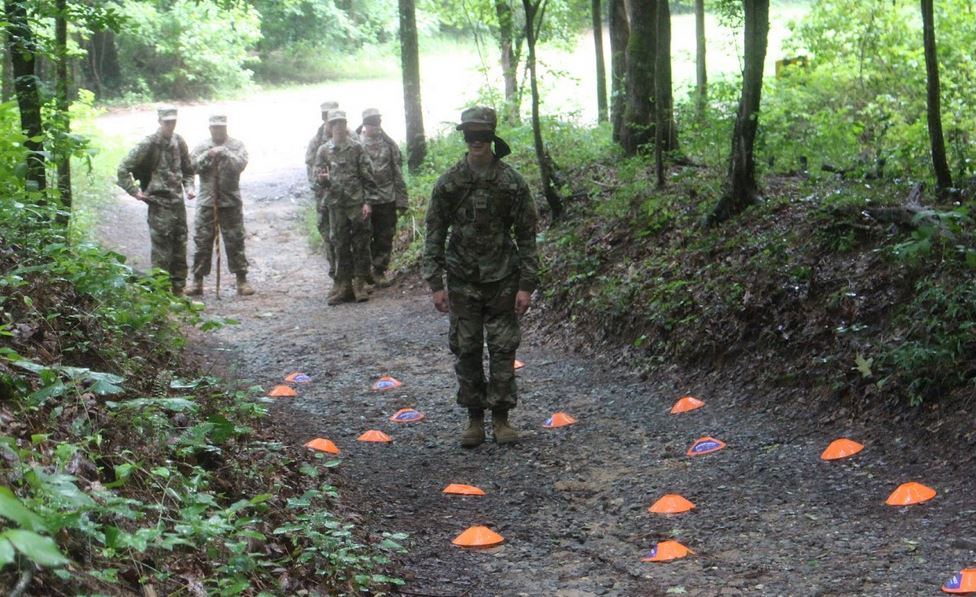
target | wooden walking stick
x=216, y=216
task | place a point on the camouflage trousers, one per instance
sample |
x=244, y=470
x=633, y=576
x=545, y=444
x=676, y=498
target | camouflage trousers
x=350, y=240
x=231, y=231
x=479, y=311
x=384, y=220
x=168, y=234
x=325, y=231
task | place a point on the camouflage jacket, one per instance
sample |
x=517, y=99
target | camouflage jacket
x=314, y=143
x=350, y=171
x=172, y=171
x=387, y=168
x=231, y=161
x=491, y=220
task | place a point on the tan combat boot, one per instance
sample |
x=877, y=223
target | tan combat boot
x=504, y=433
x=197, y=288
x=341, y=292
x=474, y=435
x=359, y=290
x=243, y=288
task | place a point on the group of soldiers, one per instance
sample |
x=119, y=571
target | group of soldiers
x=480, y=258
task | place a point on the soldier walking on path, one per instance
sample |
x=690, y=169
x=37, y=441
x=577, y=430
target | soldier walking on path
x=322, y=135
x=158, y=172
x=345, y=174
x=219, y=161
x=484, y=211
x=387, y=171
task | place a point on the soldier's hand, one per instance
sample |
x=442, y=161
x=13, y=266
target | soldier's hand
x=367, y=210
x=215, y=151
x=441, y=302
x=140, y=195
x=522, y=301
x=190, y=195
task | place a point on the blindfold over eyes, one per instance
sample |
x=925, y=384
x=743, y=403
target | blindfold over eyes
x=476, y=136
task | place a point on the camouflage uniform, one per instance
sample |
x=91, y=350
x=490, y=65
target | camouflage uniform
x=387, y=170
x=228, y=165
x=172, y=175
x=318, y=139
x=488, y=221
x=350, y=185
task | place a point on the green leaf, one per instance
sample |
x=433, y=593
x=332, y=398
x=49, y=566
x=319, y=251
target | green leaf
x=41, y=550
x=12, y=509
x=6, y=553
x=864, y=365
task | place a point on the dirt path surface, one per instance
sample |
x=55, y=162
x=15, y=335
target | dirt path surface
x=771, y=517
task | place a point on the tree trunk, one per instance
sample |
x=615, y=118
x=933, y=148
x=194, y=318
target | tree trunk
x=665, y=131
x=601, y=69
x=506, y=31
x=943, y=179
x=410, y=62
x=101, y=67
x=534, y=10
x=63, y=103
x=21, y=48
x=638, y=123
x=701, y=83
x=619, y=34
x=740, y=189
x=7, y=83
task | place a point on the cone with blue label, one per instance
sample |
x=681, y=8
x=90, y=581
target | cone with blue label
x=297, y=377
x=282, y=392
x=962, y=582
x=558, y=420
x=686, y=404
x=910, y=493
x=323, y=445
x=478, y=537
x=665, y=551
x=671, y=503
x=841, y=448
x=407, y=415
x=705, y=445
x=386, y=383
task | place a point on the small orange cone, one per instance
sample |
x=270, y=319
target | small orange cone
x=297, y=377
x=963, y=582
x=671, y=503
x=282, y=391
x=386, y=383
x=910, y=493
x=841, y=448
x=705, y=445
x=323, y=445
x=519, y=364
x=458, y=489
x=665, y=551
x=375, y=436
x=558, y=420
x=685, y=404
x=407, y=415
x=478, y=537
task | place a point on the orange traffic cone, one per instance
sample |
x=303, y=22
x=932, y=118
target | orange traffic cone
x=478, y=537
x=282, y=391
x=323, y=445
x=665, y=551
x=519, y=364
x=458, y=489
x=685, y=404
x=705, y=445
x=963, y=582
x=386, y=383
x=671, y=503
x=841, y=448
x=297, y=377
x=375, y=436
x=910, y=493
x=558, y=420
x=407, y=415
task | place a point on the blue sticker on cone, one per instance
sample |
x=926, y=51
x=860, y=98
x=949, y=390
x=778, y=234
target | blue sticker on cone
x=954, y=583
x=386, y=383
x=705, y=445
x=407, y=415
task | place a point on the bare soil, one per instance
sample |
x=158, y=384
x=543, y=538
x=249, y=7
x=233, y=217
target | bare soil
x=771, y=517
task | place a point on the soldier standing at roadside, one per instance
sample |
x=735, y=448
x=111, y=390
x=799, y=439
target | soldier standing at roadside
x=491, y=265
x=323, y=134
x=161, y=165
x=387, y=171
x=344, y=172
x=219, y=162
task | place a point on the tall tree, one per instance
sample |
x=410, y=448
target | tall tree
x=740, y=189
x=665, y=134
x=943, y=179
x=63, y=101
x=638, y=124
x=601, y=69
x=535, y=11
x=619, y=34
x=23, y=49
x=701, y=73
x=410, y=62
x=509, y=58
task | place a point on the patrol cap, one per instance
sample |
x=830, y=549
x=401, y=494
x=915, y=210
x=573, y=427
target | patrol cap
x=478, y=115
x=166, y=112
x=335, y=115
x=217, y=120
x=326, y=106
x=371, y=113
